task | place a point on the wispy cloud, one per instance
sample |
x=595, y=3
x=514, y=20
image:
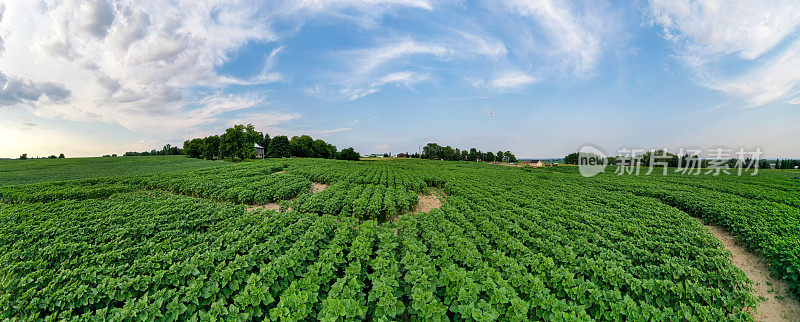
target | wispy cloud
x=511, y=80
x=368, y=60
x=773, y=80
x=324, y=132
x=574, y=37
x=747, y=49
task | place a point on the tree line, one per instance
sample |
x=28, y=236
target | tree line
x=434, y=151
x=166, y=150
x=24, y=156
x=238, y=143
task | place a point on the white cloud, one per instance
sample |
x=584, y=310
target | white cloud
x=574, y=37
x=486, y=46
x=140, y=145
x=326, y=4
x=748, y=28
x=15, y=90
x=767, y=82
x=795, y=101
x=748, y=49
x=127, y=62
x=99, y=16
x=2, y=43
x=405, y=78
x=324, y=132
x=265, y=119
x=511, y=80
x=367, y=61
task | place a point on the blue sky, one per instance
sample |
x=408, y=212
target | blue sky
x=540, y=78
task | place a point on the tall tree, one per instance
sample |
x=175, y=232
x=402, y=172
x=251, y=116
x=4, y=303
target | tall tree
x=499, y=156
x=265, y=142
x=348, y=154
x=237, y=142
x=323, y=149
x=209, y=149
x=192, y=148
x=302, y=146
x=448, y=153
x=279, y=147
x=510, y=156
x=571, y=158
x=489, y=157
x=473, y=155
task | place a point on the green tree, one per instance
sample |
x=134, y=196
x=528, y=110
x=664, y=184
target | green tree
x=489, y=157
x=473, y=155
x=448, y=153
x=61, y=156
x=210, y=147
x=302, y=146
x=237, y=142
x=571, y=158
x=499, y=156
x=348, y=154
x=510, y=156
x=432, y=151
x=24, y=156
x=265, y=142
x=193, y=147
x=464, y=155
x=279, y=147
x=52, y=156
x=323, y=149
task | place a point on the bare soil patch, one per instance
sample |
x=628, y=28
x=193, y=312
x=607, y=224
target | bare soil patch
x=270, y=206
x=283, y=171
x=428, y=201
x=776, y=302
x=317, y=187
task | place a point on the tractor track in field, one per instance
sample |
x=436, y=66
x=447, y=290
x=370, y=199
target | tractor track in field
x=776, y=303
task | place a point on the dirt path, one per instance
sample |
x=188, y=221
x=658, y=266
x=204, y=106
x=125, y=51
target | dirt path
x=775, y=301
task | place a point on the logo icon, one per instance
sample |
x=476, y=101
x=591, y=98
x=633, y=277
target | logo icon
x=591, y=161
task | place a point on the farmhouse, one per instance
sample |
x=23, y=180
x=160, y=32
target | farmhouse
x=259, y=151
x=534, y=163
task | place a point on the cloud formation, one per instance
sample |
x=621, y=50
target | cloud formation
x=129, y=62
x=511, y=80
x=15, y=90
x=748, y=49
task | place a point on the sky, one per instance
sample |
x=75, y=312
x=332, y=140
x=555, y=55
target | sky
x=540, y=78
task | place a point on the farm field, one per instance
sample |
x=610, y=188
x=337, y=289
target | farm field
x=41, y=170
x=172, y=238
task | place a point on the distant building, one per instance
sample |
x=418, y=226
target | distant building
x=402, y=155
x=260, y=153
x=534, y=163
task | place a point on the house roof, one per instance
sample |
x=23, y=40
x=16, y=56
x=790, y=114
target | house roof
x=255, y=145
